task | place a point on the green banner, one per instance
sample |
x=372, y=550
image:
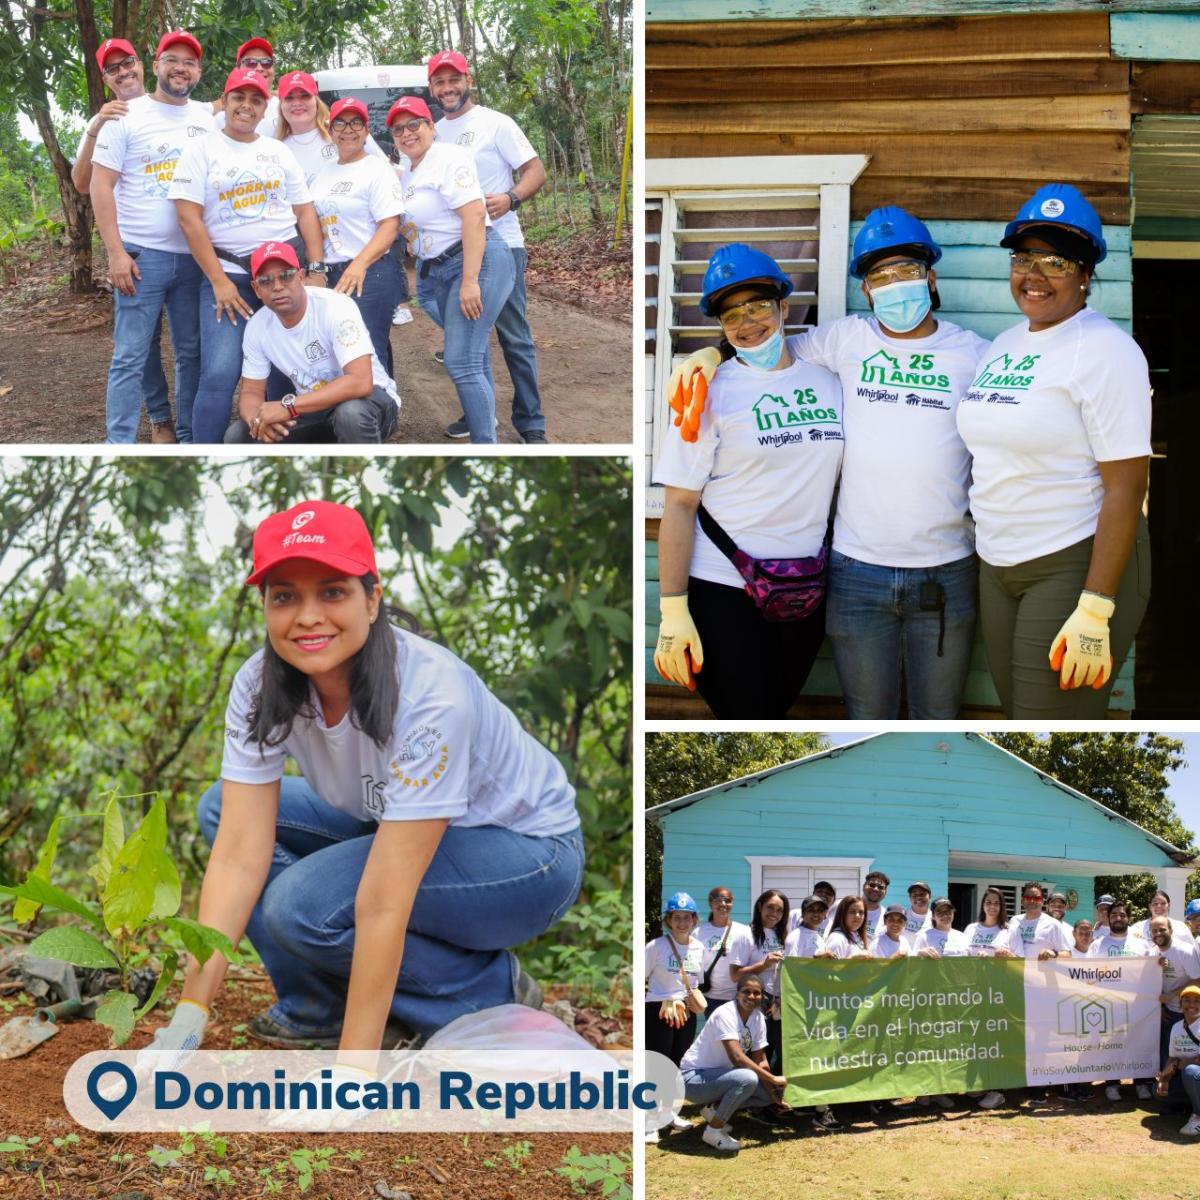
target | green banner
x=871, y=1029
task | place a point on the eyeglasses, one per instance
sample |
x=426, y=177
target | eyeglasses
x=126, y=64
x=412, y=126
x=722, y=900
x=169, y=60
x=1052, y=265
x=752, y=310
x=284, y=276
x=261, y=63
x=900, y=272
x=355, y=123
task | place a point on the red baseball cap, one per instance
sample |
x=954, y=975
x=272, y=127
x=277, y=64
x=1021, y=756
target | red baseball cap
x=297, y=79
x=319, y=530
x=409, y=104
x=262, y=43
x=349, y=104
x=244, y=77
x=179, y=35
x=106, y=48
x=270, y=250
x=448, y=58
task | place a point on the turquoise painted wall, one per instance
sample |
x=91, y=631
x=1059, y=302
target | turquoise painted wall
x=903, y=803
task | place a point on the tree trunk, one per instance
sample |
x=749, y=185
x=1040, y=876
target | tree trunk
x=90, y=42
x=579, y=134
x=77, y=209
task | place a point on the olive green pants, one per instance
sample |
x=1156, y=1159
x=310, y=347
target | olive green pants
x=1021, y=608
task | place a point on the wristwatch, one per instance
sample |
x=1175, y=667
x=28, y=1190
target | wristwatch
x=289, y=402
x=317, y=267
x=516, y=200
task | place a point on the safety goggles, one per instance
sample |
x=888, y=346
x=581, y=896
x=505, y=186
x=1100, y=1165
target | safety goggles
x=284, y=276
x=355, y=123
x=126, y=64
x=1051, y=265
x=898, y=272
x=752, y=310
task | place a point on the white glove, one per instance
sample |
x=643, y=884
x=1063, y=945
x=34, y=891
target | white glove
x=677, y=639
x=337, y=1118
x=1080, y=651
x=173, y=1043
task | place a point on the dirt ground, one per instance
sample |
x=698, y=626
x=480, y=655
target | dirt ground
x=55, y=349
x=102, y=1166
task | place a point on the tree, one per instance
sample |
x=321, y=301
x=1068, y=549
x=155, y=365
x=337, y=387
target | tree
x=678, y=764
x=1127, y=772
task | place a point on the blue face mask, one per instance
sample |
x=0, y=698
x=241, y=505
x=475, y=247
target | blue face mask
x=764, y=356
x=901, y=307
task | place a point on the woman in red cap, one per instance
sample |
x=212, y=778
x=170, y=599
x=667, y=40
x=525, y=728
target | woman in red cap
x=419, y=798
x=464, y=268
x=360, y=203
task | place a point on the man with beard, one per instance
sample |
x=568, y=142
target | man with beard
x=499, y=148
x=918, y=916
x=875, y=887
x=1180, y=962
x=149, y=261
x=1119, y=943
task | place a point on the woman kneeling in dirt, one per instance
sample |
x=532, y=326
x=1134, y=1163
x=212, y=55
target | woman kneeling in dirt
x=420, y=800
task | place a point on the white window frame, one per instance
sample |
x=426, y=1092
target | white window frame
x=756, y=863
x=758, y=177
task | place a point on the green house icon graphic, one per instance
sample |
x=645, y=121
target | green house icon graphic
x=878, y=367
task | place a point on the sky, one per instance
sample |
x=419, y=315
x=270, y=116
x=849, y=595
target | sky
x=1183, y=791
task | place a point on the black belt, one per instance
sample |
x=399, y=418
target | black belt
x=426, y=263
x=243, y=260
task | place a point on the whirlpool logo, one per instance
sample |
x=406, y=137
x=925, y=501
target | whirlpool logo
x=1092, y=1014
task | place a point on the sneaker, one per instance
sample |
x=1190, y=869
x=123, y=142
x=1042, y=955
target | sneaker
x=943, y=1102
x=678, y=1122
x=535, y=437
x=652, y=1137
x=1144, y=1092
x=458, y=429
x=439, y=357
x=264, y=1028
x=402, y=315
x=1192, y=1127
x=720, y=1140
x=162, y=433
x=991, y=1100
x=1112, y=1092
x=709, y=1113
x=826, y=1121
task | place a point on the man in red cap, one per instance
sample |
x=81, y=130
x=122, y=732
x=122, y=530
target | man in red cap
x=256, y=55
x=500, y=148
x=317, y=338
x=149, y=261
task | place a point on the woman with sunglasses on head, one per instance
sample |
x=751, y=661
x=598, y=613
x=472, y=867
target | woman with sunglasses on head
x=464, y=268
x=749, y=488
x=718, y=935
x=1058, y=424
x=359, y=202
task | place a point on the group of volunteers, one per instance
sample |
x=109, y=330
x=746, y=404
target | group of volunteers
x=1030, y=453
x=713, y=986
x=271, y=230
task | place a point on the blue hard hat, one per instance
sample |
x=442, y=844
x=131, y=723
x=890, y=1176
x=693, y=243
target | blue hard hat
x=1193, y=908
x=734, y=265
x=1062, y=206
x=891, y=228
x=681, y=902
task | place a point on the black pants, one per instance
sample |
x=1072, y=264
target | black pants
x=666, y=1039
x=753, y=668
x=370, y=419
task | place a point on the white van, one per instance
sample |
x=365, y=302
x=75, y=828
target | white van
x=378, y=88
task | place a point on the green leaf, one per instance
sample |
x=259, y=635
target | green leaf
x=202, y=940
x=129, y=894
x=52, y=897
x=110, y=847
x=116, y=1011
x=620, y=624
x=74, y=945
x=170, y=962
x=167, y=891
x=25, y=910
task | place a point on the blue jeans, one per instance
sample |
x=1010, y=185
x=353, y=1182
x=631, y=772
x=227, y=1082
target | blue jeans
x=520, y=355
x=486, y=889
x=170, y=280
x=466, y=348
x=727, y=1088
x=878, y=632
x=1190, y=1078
x=383, y=288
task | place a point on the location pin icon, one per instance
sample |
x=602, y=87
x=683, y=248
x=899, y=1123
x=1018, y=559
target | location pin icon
x=110, y=1107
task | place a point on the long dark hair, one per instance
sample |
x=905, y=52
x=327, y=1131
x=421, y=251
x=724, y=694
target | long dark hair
x=374, y=683
x=1002, y=919
x=756, y=923
x=839, y=920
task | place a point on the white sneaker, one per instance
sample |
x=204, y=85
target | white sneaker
x=1192, y=1128
x=709, y=1113
x=1144, y=1092
x=943, y=1102
x=720, y=1140
x=678, y=1122
x=402, y=315
x=651, y=1137
x=1112, y=1092
x=991, y=1100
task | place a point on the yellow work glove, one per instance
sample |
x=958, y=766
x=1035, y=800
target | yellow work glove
x=674, y=1012
x=678, y=652
x=687, y=390
x=1080, y=650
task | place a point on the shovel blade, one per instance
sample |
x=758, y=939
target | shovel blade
x=22, y=1034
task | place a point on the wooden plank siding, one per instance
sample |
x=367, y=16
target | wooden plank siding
x=766, y=10
x=962, y=116
x=1165, y=88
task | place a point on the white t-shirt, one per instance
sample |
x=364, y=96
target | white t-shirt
x=1180, y=1045
x=744, y=952
x=903, y=499
x=949, y=943
x=724, y=1024
x=247, y=190
x=766, y=458
x=983, y=939
x=1028, y=938
x=313, y=152
x=1182, y=966
x=455, y=751
x=663, y=981
x=267, y=127
x=145, y=146
x=499, y=148
x=841, y=945
x=913, y=924
x=351, y=200
x=315, y=351
x=710, y=936
x=1044, y=410
x=1125, y=946
x=803, y=942
x=885, y=947
x=874, y=922
x=1179, y=931
x=444, y=181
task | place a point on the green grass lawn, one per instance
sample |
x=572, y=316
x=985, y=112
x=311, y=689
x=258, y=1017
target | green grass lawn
x=1045, y=1152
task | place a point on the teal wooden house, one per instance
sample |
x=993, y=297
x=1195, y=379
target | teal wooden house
x=954, y=810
